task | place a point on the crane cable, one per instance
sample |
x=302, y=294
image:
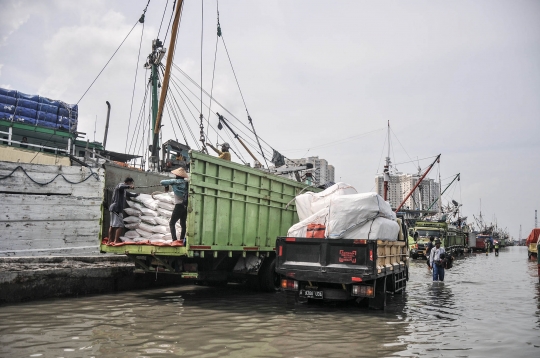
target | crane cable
x=201, y=117
x=241, y=95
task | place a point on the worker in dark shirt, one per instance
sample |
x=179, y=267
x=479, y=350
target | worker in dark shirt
x=23, y=142
x=117, y=206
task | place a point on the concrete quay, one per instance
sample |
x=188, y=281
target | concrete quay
x=34, y=278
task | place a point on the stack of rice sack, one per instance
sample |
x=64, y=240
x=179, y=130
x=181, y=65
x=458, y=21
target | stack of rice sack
x=345, y=214
x=148, y=218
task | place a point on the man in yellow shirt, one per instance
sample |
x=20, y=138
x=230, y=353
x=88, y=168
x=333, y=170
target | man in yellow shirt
x=224, y=152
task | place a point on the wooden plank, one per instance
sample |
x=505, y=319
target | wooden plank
x=52, y=200
x=10, y=213
x=62, y=251
x=29, y=244
x=46, y=230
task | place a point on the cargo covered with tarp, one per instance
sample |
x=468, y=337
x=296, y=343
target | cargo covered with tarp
x=38, y=111
x=345, y=215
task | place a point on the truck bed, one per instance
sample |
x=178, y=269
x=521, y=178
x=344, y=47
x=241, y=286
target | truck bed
x=340, y=261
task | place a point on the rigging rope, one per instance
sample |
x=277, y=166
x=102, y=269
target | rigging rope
x=162, y=17
x=214, y=69
x=170, y=19
x=195, y=107
x=134, y=84
x=139, y=119
x=141, y=20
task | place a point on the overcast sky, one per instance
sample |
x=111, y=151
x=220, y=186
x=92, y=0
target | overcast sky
x=460, y=78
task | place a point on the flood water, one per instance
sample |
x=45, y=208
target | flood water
x=487, y=307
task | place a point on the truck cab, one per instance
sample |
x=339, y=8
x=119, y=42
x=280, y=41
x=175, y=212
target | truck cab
x=421, y=235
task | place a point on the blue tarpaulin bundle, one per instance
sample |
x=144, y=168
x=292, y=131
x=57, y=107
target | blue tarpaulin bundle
x=35, y=110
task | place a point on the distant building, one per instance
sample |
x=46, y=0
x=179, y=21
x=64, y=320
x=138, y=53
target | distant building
x=401, y=184
x=322, y=172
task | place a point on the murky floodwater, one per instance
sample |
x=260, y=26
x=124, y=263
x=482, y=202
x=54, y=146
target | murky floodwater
x=488, y=307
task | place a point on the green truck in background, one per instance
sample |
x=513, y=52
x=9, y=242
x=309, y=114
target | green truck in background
x=235, y=214
x=453, y=239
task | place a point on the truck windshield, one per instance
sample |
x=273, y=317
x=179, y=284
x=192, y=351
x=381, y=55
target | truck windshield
x=427, y=233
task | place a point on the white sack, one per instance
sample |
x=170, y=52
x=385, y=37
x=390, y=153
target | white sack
x=141, y=198
x=166, y=206
x=134, y=205
x=132, y=234
x=156, y=237
x=149, y=220
x=348, y=211
x=164, y=212
x=377, y=229
x=144, y=233
x=148, y=212
x=165, y=198
x=309, y=203
x=162, y=221
x=300, y=229
x=131, y=226
x=161, y=229
x=167, y=237
x=132, y=219
x=132, y=211
x=139, y=239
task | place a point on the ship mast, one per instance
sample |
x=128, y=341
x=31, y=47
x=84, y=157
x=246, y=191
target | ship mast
x=157, y=110
x=387, y=168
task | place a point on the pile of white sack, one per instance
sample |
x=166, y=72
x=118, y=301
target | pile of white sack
x=346, y=214
x=148, y=218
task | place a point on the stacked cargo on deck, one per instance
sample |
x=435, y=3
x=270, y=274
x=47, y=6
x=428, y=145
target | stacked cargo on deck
x=147, y=219
x=38, y=111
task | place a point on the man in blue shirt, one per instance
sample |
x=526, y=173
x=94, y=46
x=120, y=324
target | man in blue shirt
x=180, y=187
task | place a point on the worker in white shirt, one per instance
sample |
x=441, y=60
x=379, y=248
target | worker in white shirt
x=436, y=261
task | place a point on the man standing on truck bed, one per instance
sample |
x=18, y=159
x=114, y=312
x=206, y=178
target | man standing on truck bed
x=117, y=206
x=437, y=253
x=223, y=153
x=180, y=188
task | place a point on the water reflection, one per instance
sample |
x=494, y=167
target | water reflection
x=488, y=306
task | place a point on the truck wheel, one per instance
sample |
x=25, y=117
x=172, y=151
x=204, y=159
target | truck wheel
x=268, y=278
x=415, y=256
x=379, y=301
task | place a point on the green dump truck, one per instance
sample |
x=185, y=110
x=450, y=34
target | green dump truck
x=235, y=214
x=453, y=239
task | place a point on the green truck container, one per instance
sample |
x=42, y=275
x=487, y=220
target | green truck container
x=454, y=240
x=235, y=214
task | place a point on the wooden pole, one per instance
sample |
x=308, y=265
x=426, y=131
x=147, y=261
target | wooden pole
x=166, y=77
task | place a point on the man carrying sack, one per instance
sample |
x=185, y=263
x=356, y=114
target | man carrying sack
x=180, y=188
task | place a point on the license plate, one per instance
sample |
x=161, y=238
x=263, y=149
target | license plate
x=311, y=294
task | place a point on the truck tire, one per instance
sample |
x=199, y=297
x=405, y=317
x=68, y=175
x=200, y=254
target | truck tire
x=415, y=256
x=379, y=301
x=268, y=278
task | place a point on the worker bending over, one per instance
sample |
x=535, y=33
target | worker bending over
x=224, y=152
x=118, y=199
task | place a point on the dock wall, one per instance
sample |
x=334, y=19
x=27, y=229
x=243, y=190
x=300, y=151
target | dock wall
x=35, y=278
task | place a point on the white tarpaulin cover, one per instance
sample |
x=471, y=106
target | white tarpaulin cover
x=353, y=216
x=309, y=203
